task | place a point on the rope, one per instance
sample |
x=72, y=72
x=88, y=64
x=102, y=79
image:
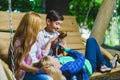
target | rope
x=11, y=39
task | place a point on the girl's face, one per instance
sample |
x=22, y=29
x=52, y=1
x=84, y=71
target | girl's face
x=54, y=25
x=55, y=62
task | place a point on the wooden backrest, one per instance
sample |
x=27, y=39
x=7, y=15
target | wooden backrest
x=74, y=39
x=70, y=25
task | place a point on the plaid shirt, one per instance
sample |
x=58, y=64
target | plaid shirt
x=34, y=56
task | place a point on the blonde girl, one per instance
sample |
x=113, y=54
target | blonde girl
x=26, y=47
x=48, y=67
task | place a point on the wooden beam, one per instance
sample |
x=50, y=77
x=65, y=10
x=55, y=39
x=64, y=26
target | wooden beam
x=69, y=23
x=106, y=75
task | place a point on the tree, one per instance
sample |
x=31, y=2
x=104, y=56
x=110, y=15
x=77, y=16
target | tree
x=102, y=20
x=22, y=5
x=85, y=11
x=101, y=23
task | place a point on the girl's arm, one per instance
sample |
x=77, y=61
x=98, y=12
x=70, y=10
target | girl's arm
x=22, y=64
x=48, y=45
x=28, y=68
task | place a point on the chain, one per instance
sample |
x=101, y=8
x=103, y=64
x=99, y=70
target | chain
x=11, y=39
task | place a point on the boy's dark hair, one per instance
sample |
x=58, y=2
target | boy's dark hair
x=54, y=16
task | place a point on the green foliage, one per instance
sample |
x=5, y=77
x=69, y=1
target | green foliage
x=85, y=11
x=36, y=5
x=118, y=9
x=3, y=5
x=112, y=36
x=22, y=5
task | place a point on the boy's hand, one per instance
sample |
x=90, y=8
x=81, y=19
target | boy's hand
x=62, y=45
x=53, y=41
x=54, y=38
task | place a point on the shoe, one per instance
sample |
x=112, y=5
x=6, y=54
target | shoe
x=104, y=69
x=114, y=60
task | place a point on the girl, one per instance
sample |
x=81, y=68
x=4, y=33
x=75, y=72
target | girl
x=27, y=50
x=79, y=64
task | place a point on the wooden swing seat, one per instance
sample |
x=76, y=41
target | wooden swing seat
x=74, y=40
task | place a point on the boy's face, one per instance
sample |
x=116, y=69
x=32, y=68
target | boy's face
x=54, y=25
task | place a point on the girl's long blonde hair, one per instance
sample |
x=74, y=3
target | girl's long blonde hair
x=48, y=67
x=26, y=33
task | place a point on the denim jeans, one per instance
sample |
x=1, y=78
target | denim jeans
x=94, y=55
x=78, y=76
x=31, y=76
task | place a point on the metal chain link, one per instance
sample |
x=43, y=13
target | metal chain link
x=11, y=39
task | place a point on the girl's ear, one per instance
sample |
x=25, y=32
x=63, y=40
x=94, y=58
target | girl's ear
x=48, y=21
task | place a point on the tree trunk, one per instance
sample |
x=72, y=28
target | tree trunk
x=102, y=20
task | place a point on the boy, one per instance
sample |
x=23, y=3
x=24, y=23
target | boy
x=53, y=24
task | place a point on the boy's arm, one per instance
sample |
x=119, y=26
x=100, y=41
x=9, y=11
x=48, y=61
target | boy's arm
x=56, y=51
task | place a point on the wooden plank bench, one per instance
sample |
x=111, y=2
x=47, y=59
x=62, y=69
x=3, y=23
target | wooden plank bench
x=74, y=39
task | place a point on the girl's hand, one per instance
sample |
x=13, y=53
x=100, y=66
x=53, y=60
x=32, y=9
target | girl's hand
x=62, y=45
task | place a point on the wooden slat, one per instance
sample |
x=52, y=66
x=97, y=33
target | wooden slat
x=3, y=75
x=4, y=44
x=76, y=46
x=4, y=41
x=4, y=36
x=69, y=23
x=4, y=20
x=75, y=33
x=107, y=75
x=8, y=72
x=73, y=40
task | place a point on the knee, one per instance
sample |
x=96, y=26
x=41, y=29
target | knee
x=91, y=39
